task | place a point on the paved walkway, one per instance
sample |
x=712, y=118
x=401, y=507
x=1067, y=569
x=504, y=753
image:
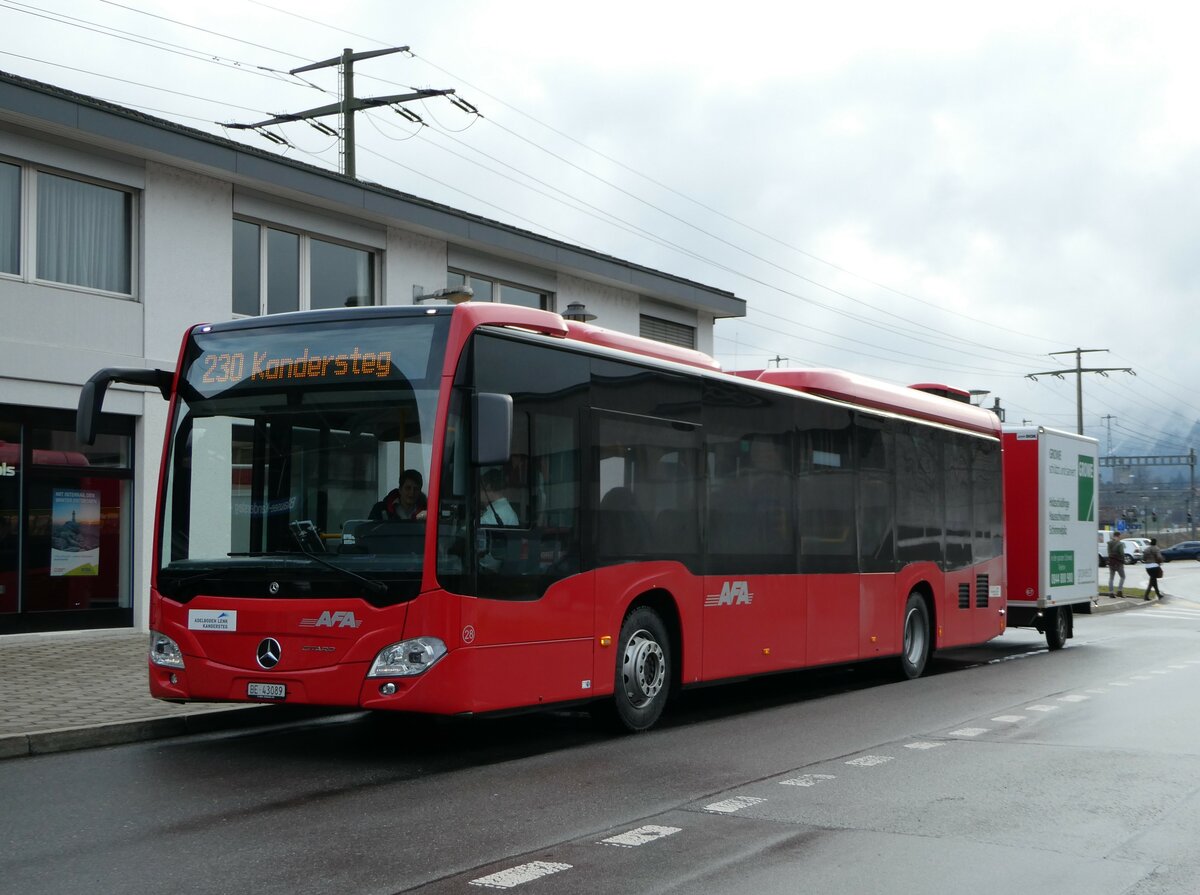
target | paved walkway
x=77, y=690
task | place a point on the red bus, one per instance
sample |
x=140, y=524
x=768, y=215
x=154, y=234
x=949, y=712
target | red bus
x=649, y=523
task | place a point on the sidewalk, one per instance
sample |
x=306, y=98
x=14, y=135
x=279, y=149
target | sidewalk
x=78, y=690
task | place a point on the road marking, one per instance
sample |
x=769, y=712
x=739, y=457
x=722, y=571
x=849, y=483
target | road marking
x=1120, y=684
x=1183, y=614
x=968, y=731
x=807, y=780
x=1036, y=652
x=923, y=744
x=1097, y=690
x=737, y=803
x=869, y=761
x=1074, y=697
x=516, y=876
x=640, y=836
x=1041, y=708
x=1178, y=667
x=1009, y=719
x=1156, y=671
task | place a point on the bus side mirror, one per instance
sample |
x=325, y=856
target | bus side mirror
x=91, y=398
x=492, y=417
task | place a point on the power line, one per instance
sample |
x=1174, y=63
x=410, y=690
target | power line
x=1079, y=370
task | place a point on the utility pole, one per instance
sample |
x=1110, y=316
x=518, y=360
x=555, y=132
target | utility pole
x=776, y=360
x=349, y=104
x=1079, y=370
x=1108, y=418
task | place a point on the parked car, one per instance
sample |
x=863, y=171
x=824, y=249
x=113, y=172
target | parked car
x=1133, y=550
x=1182, y=550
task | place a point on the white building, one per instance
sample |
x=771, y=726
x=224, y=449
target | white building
x=118, y=231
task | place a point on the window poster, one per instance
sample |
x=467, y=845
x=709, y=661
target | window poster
x=75, y=537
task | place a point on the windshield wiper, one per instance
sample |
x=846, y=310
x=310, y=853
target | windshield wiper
x=374, y=585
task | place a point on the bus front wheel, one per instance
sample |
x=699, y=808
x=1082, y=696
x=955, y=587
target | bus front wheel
x=915, y=637
x=643, y=670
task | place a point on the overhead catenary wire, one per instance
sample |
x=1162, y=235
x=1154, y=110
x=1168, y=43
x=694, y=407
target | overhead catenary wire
x=766, y=235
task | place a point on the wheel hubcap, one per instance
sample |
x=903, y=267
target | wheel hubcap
x=643, y=669
x=914, y=637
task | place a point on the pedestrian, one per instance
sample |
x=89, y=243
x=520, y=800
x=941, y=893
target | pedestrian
x=1153, y=559
x=1116, y=564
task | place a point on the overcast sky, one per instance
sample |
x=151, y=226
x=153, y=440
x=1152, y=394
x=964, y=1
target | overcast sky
x=918, y=192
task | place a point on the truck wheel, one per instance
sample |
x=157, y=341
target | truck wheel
x=643, y=670
x=1059, y=629
x=915, y=645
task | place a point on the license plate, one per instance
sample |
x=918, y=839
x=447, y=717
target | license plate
x=266, y=691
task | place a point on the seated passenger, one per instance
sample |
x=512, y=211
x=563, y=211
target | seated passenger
x=495, y=508
x=405, y=502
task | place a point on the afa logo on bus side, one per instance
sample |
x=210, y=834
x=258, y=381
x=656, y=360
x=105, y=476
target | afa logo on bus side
x=733, y=593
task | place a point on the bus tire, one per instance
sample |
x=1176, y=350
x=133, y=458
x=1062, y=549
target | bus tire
x=914, y=637
x=1059, y=629
x=643, y=681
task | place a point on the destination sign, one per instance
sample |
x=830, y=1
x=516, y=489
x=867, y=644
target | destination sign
x=231, y=367
x=281, y=357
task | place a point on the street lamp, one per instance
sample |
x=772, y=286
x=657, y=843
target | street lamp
x=452, y=295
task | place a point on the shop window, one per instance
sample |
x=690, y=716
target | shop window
x=65, y=523
x=10, y=518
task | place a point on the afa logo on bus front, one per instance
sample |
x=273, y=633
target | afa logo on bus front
x=212, y=619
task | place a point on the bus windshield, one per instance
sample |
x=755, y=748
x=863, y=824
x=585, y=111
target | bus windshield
x=286, y=459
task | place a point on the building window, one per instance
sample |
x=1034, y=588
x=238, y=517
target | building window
x=60, y=229
x=83, y=234
x=277, y=270
x=491, y=289
x=667, y=331
x=10, y=219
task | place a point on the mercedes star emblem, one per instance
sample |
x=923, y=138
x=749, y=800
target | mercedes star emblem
x=268, y=653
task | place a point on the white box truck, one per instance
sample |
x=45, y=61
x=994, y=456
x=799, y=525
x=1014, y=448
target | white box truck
x=1049, y=528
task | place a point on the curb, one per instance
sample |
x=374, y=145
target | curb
x=70, y=739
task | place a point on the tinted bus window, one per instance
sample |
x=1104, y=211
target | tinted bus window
x=957, y=458
x=648, y=478
x=748, y=455
x=875, y=450
x=987, y=505
x=527, y=519
x=825, y=489
x=920, y=512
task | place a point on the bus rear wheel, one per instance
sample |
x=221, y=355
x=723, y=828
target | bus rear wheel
x=643, y=681
x=915, y=638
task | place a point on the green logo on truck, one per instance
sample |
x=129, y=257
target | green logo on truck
x=1087, y=488
x=1062, y=568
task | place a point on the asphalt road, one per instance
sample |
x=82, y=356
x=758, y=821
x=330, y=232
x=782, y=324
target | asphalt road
x=1007, y=769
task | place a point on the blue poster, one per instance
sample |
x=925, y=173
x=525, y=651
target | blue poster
x=75, y=533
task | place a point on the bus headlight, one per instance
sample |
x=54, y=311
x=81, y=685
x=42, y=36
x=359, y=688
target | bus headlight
x=164, y=651
x=407, y=658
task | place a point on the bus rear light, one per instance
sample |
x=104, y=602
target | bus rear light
x=407, y=658
x=164, y=651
